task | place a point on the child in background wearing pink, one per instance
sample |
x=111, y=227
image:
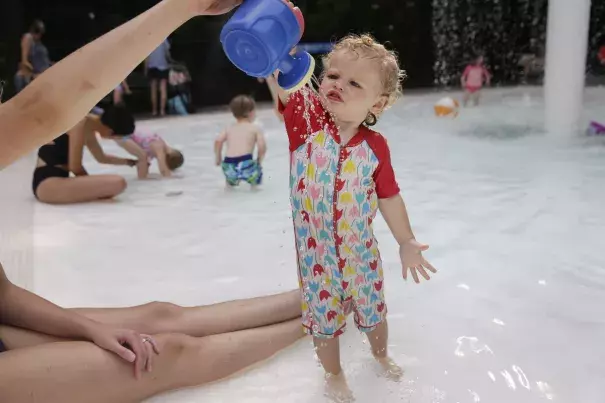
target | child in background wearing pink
x=472, y=80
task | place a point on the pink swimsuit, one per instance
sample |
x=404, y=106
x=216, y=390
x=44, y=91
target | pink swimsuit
x=144, y=141
x=474, y=77
x=334, y=191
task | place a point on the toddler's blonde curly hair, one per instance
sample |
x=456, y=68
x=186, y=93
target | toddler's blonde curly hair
x=366, y=46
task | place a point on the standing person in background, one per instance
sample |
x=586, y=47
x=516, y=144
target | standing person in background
x=120, y=91
x=157, y=69
x=34, y=56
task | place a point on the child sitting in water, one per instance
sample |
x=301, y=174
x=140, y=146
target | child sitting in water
x=472, y=80
x=340, y=176
x=241, y=138
x=146, y=147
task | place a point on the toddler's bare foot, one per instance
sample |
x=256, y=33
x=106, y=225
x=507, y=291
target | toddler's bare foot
x=390, y=369
x=337, y=389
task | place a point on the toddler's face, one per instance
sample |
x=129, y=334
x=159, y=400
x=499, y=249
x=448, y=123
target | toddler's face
x=352, y=87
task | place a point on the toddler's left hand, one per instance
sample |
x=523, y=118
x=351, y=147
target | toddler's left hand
x=412, y=260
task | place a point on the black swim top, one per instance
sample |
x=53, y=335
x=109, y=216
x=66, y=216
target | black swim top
x=55, y=153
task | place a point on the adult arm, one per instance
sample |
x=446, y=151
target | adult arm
x=92, y=143
x=21, y=308
x=76, y=148
x=134, y=149
x=63, y=94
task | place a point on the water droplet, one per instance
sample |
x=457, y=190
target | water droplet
x=542, y=282
x=498, y=322
x=464, y=287
x=475, y=396
x=546, y=390
x=509, y=379
x=522, y=377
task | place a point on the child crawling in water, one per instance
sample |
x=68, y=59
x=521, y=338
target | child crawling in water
x=146, y=147
x=149, y=146
x=340, y=176
x=241, y=138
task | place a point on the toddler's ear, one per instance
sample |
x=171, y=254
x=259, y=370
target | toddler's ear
x=380, y=105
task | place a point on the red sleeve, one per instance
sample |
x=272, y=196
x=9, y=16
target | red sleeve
x=296, y=125
x=384, y=175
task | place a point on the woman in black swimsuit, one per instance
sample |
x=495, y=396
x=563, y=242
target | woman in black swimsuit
x=52, y=182
x=196, y=345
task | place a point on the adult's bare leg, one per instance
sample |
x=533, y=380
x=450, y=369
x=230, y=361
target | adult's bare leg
x=80, y=189
x=154, y=96
x=69, y=372
x=163, y=96
x=162, y=317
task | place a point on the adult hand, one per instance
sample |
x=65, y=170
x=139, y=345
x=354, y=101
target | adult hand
x=215, y=7
x=129, y=345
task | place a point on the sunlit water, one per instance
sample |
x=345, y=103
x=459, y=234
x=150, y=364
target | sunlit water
x=514, y=217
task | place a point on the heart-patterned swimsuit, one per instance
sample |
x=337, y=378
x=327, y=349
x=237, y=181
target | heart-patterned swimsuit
x=334, y=193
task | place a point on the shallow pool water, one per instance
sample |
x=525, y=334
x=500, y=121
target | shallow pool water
x=513, y=215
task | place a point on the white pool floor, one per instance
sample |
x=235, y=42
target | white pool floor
x=514, y=218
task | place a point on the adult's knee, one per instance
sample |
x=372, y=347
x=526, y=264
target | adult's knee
x=117, y=185
x=163, y=311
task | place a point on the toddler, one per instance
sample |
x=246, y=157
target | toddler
x=241, y=138
x=340, y=176
x=472, y=80
x=147, y=147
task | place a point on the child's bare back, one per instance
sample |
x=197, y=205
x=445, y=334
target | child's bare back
x=241, y=138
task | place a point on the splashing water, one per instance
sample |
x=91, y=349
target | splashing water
x=473, y=345
x=522, y=377
x=508, y=379
x=546, y=390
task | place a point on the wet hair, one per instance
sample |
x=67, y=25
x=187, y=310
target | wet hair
x=391, y=75
x=37, y=27
x=119, y=119
x=241, y=106
x=174, y=159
